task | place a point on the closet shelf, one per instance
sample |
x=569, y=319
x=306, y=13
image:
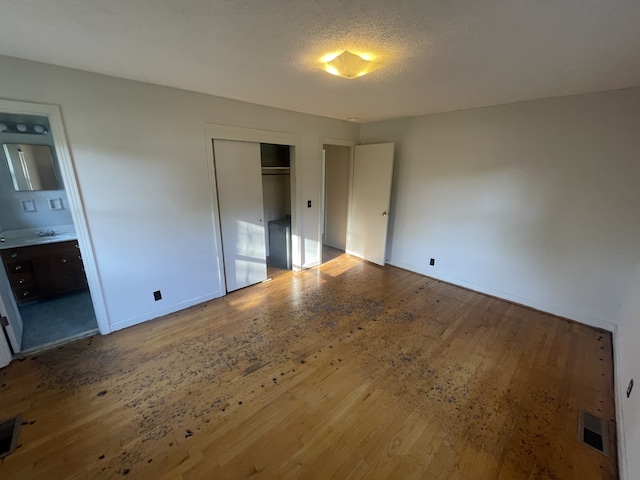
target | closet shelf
x=275, y=170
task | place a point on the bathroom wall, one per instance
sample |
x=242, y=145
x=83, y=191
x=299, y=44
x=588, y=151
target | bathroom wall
x=12, y=214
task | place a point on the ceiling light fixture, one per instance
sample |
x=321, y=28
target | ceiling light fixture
x=349, y=65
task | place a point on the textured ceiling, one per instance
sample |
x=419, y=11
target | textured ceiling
x=438, y=55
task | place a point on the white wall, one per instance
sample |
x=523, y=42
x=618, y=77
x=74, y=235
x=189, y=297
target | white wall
x=140, y=157
x=536, y=202
x=336, y=195
x=627, y=363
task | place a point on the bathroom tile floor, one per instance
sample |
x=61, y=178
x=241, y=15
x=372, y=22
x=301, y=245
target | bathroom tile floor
x=49, y=322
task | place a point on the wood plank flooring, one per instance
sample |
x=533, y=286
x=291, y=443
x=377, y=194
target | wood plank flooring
x=346, y=371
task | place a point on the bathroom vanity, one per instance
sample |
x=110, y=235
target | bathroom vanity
x=44, y=270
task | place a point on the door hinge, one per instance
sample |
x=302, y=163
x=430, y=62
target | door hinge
x=4, y=321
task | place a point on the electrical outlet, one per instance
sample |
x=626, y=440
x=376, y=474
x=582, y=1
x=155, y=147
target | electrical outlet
x=157, y=295
x=432, y=262
x=629, y=388
x=308, y=203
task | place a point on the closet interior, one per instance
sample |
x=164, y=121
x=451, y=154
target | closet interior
x=276, y=195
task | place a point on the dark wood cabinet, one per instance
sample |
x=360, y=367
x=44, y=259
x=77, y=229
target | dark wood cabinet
x=41, y=271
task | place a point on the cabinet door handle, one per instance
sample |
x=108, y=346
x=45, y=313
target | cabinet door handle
x=25, y=293
x=21, y=281
x=64, y=260
x=18, y=267
x=14, y=255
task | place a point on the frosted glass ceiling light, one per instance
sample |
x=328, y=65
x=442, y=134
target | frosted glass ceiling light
x=349, y=65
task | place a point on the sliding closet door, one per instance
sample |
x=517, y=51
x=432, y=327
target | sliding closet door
x=239, y=185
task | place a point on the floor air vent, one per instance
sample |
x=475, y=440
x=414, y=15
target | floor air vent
x=593, y=433
x=9, y=435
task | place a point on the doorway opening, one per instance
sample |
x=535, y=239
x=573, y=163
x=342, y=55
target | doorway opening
x=56, y=320
x=356, y=198
x=336, y=178
x=46, y=262
x=276, y=202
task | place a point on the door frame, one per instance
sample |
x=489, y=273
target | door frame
x=76, y=206
x=340, y=143
x=9, y=309
x=5, y=351
x=239, y=134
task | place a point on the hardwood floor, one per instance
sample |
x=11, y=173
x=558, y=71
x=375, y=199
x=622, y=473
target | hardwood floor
x=346, y=371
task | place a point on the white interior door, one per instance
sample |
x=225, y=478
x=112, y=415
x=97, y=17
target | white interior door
x=9, y=310
x=370, y=200
x=239, y=186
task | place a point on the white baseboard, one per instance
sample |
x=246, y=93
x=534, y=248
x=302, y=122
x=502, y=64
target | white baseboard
x=619, y=387
x=511, y=297
x=129, y=322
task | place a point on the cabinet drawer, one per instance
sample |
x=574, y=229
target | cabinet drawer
x=13, y=255
x=26, y=293
x=19, y=267
x=22, y=280
x=42, y=271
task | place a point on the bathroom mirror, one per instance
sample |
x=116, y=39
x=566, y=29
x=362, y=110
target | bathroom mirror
x=31, y=166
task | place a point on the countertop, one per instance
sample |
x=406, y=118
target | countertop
x=30, y=236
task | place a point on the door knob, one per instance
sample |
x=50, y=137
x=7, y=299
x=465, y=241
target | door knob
x=384, y=214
